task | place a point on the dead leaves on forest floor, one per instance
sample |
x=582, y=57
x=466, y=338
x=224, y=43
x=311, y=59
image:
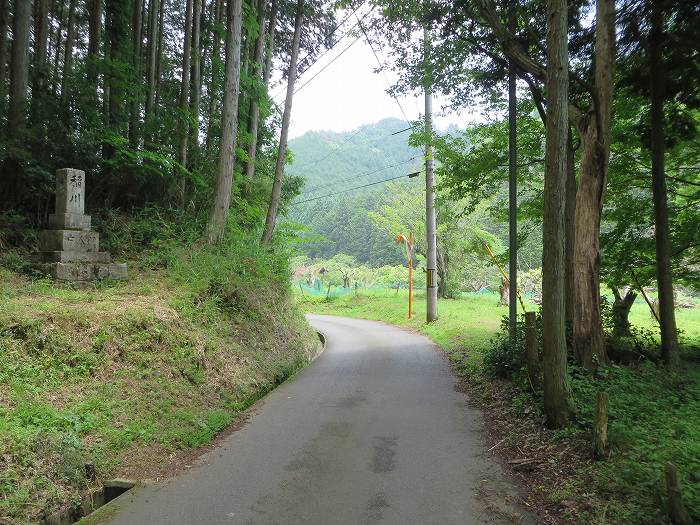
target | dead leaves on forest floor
x=555, y=473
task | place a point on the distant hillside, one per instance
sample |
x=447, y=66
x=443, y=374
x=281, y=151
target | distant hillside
x=333, y=162
x=323, y=157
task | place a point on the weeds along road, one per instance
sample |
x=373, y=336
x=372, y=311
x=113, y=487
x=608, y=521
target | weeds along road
x=373, y=431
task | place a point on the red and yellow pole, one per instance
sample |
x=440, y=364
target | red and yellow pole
x=410, y=275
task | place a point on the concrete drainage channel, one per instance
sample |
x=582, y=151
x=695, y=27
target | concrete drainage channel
x=94, y=500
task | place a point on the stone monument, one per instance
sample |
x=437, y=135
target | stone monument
x=69, y=250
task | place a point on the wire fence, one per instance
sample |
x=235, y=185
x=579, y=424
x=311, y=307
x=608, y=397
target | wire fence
x=329, y=290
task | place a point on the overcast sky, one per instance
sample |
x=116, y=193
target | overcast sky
x=348, y=94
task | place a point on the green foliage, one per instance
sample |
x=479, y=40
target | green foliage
x=332, y=162
x=503, y=358
x=654, y=418
x=130, y=372
x=361, y=276
x=627, y=235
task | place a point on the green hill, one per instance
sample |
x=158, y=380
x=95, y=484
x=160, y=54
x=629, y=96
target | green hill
x=335, y=163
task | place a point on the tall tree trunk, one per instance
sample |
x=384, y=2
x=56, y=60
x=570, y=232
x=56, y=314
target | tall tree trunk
x=286, y=118
x=70, y=43
x=212, y=90
x=196, y=70
x=556, y=384
x=159, y=55
x=664, y=276
x=270, y=48
x=205, y=40
x=218, y=215
x=19, y=69
x=106, y=90
x=589, y=346
x=41, y=36
x=135, y=106
x=118, y=14
x=247, y=51
x=94, y=37
x=254, y=111
x=153, y=8
x=512, y=190
x=58, y=15
x=184, y=99
x=4, y=26
x=570, y=228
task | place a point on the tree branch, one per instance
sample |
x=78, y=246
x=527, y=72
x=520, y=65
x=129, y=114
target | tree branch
x=512, y=48
x=683, y=181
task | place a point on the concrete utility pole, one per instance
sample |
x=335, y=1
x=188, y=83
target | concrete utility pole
x=430, y=227
x=512, y=195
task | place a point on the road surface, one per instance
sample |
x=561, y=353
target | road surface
x=373, y=431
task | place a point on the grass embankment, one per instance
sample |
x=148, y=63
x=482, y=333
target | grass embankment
x=654, y=414
x=126, y=375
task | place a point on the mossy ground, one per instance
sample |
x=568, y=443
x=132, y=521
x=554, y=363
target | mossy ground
x=654, y=413
x=125, y=375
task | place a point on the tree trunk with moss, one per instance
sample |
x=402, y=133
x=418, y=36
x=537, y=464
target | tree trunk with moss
x=664, y=277
x=594, y=128
x=620, y=312
x=554, y=353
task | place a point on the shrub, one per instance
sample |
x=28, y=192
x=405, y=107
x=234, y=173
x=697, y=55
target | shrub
x=501, y=357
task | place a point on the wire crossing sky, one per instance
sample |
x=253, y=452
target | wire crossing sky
x=341, y=93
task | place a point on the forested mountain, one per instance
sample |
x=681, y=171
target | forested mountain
x=331, y=164
x=324, y=157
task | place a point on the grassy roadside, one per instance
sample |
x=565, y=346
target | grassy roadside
x=654, y=414
x=127, y=376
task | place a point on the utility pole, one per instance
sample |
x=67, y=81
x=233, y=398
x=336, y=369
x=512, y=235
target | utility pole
x=512, y=194
x=430, y=227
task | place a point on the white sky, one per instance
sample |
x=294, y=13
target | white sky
x=348, y=94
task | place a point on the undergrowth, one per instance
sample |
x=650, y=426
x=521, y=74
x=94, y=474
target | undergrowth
x=122, y=375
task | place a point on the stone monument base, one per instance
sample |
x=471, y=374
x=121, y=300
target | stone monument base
x=84, y=271
x=70, y=251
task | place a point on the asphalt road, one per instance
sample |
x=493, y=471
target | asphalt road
x=373, y=431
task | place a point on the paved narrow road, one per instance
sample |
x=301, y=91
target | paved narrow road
x=372, y=432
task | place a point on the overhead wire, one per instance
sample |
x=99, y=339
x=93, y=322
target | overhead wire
x=348, y=139
x=381, y=67
x=359, y=175
x=315, y=61
x=333, y=32
x=409, y=175
x=296, y=90
x=398, y=103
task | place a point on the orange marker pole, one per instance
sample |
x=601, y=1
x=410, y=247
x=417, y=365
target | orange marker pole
x=410, y=274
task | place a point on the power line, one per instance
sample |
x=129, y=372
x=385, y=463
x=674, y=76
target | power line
x=327, y=65
x=381, y=67
x=368, y=141
x=410, y=176
x=333, y=32
x=359, y=175
x=331, y=47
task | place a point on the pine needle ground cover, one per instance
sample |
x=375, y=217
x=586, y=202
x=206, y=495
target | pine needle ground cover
x=127, y=376
x=654, y=415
